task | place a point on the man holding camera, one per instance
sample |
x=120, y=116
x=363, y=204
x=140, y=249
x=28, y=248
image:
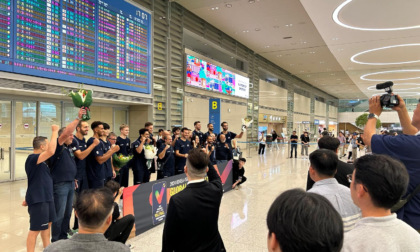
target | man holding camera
x=403, y=147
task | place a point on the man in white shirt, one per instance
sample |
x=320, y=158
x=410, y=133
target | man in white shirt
x=377, y=184
x=322, y=170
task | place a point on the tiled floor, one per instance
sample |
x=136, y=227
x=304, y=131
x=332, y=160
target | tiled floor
x=242, y=213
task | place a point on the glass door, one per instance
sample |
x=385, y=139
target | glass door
x=5, y=133
x=25, y=131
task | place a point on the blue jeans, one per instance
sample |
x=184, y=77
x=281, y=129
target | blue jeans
x=63, y=200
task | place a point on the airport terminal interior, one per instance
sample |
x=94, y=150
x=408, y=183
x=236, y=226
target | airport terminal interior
x=277, y=66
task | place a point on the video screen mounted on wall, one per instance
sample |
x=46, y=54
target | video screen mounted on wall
x=205, y=75
x=99, y=42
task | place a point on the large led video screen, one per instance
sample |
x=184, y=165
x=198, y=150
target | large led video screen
x=208, y=76
x=99, y=42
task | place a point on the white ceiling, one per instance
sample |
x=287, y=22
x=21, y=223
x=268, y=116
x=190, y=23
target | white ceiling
x=320, y=50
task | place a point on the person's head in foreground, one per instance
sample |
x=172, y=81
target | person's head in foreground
x=197, y=164
x=299, y=221
x=378, y=182
x=329, y=143
x=323, y=164
x=94, y=208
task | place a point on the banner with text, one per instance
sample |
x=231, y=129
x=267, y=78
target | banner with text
x=148, y=202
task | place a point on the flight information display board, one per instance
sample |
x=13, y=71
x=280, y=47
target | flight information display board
x=99, y=42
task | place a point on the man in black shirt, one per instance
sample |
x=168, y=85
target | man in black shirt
x=238, y=170
x=124, y=142
x=304, y=138
x=230, y=136
x=120, y=227
x=39, y=195
x=81, y=151
x=109, y=170
x=210, y=128
x=167, y=157
x=197, y=132
x=293, y=145
x=223, y=151
x=182, y=147
x=151, y=141
x=191, y=220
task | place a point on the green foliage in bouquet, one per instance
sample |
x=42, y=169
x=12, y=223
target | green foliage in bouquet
x=82, y=99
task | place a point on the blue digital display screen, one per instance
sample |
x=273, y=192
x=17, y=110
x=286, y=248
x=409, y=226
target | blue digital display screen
x=99, y=42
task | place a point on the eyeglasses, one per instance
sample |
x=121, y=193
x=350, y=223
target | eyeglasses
x=114, y=139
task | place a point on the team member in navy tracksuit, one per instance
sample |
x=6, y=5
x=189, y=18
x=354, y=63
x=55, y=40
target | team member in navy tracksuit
x=124, y=142
x=97, y=158
x=39, y=195
x=167, y=157
x=182, y=147
x=141, y=173
x=81, y=151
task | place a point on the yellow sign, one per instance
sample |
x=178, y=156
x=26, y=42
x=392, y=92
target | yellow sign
x=159, y=106
x=214, y=105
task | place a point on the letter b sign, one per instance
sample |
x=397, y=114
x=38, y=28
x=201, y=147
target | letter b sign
x=214, y=105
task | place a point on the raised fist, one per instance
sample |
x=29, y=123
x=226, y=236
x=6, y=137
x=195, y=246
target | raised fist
x=95, y=142
x=55, y=127
x=115, y=148
x=82, y=112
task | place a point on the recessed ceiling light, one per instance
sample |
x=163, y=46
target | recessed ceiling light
x=228, y=5
x=383, y=48
x=257, y=29
x=267, y=46
x=245, y=31
x=251, y=1
x=363, y=77
x=288, y=25
x=337, y=20
x=215, y=8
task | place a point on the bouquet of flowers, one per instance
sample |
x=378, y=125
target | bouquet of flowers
x=82, y=99
x=120, y=160
x=246, y=122
x=149, y=153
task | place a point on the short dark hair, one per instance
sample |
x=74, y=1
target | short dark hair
x=208, y=124
x=184, y=129
x=93, y=206
x=329, y=143
x=197, y=162
x=195, y=123
x=38, y=141
x=305, y=221
x=385, y=178
x=242, y=159
x=147, y=124
x=106, y=126
x=222, y=123
x=142, y=131
x=114, y=186
x=95, y=124
x=79, y=125
x=60, y=131
x=324, y=162
x=324, y=133
x=175, y=129
x=160, y=130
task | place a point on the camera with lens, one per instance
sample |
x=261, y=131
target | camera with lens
x=388, y=100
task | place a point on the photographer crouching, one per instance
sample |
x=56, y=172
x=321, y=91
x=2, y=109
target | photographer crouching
x=404, y=147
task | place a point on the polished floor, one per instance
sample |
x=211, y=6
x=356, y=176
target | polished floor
x=242, y=213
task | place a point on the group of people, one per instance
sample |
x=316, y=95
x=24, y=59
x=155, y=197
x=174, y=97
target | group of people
x=69, y=164
x=369, y=205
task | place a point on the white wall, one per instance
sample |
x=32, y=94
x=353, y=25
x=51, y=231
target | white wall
x=320, y=108
x=272, y=96
x=302, y=104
